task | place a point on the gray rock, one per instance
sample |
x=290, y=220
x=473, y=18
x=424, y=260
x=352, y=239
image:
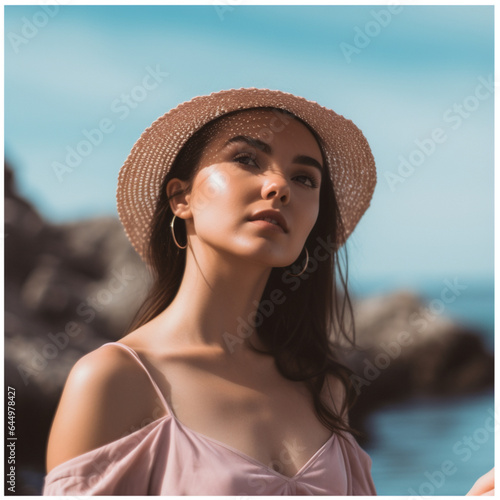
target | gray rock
x=405, y=350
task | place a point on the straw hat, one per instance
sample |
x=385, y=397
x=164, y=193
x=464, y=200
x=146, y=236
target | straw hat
x=350, y=160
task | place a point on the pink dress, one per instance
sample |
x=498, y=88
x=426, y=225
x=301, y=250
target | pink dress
x=167, y=458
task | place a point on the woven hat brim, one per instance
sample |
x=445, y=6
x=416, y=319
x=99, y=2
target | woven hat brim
x=350, y=160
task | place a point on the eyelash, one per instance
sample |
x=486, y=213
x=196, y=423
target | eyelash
x=241, y=156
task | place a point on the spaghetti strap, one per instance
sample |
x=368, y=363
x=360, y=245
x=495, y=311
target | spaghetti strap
x=155, y=385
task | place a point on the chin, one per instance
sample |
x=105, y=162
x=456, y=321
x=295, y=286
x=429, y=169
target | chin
x=276, y=258
x=265, y=252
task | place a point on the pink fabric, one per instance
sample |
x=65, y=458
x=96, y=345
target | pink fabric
x=167, y=458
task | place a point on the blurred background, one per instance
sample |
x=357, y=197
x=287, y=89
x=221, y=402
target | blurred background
x=417, y=80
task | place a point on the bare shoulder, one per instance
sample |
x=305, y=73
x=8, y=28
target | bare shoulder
x=334, y=394
x=107, y=395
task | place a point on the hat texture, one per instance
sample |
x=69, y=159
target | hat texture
x=350, y=160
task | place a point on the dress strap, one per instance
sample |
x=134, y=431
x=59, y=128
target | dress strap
x=139, y=361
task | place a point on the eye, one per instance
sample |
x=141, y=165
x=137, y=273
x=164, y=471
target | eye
x=246, y=159
x=312, y=180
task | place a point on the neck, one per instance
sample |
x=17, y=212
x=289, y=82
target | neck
x=216, y=305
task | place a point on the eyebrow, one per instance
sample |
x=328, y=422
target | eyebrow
x=266, y=148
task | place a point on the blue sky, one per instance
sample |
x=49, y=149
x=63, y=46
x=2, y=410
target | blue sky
x=418, y=72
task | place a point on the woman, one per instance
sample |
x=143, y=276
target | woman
x=228, y=381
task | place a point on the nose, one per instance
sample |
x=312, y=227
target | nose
x=276, y=185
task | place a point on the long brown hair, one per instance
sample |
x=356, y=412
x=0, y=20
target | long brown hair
x=306, y=328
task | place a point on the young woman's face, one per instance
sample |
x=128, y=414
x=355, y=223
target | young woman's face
x=257, y=160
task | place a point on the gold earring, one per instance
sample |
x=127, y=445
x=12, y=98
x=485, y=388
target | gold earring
x=305, y=267
x=173, y=233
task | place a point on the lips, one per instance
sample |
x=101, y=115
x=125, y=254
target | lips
x=271, y=214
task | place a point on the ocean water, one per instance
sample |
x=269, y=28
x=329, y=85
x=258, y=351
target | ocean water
x=431, y=447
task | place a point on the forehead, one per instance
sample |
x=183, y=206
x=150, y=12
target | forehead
x=264, y=124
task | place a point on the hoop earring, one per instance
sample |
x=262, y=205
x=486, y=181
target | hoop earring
x=173, y=234
x=305, y=267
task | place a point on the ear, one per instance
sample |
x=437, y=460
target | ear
x=179, y=204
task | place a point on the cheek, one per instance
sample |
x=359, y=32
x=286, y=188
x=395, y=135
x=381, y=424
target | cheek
x=216, y=184
x=209, y=188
